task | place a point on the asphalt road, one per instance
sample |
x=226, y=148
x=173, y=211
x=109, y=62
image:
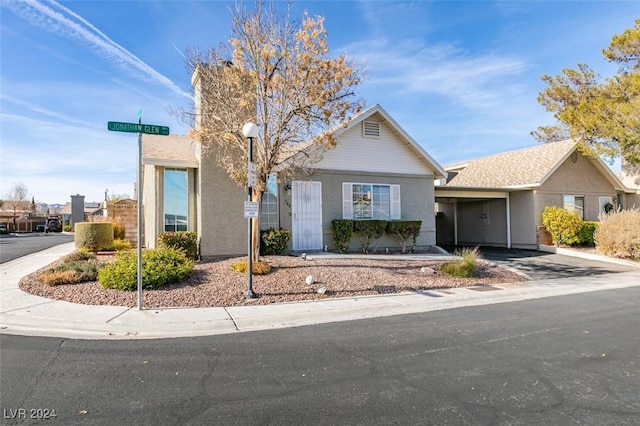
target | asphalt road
x=13, y=246
x=554, y=361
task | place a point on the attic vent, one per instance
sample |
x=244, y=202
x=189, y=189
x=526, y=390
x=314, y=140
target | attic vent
x=574, y=157
x=370, y=129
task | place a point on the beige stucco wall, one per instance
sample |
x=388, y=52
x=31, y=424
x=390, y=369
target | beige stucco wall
x=149, y=203
x=416, y=203
x=222, y=227
x=581, y=178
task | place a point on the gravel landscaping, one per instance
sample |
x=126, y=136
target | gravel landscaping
x=214, y=283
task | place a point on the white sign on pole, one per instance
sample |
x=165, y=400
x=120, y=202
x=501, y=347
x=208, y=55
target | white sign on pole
x=251, y=209
x=253, y=174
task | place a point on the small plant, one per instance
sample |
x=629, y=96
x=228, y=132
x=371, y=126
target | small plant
x=369, y=231
x=119, y=245
x=342, y=234
x=259, y=268
x=160, y=266
x=465, y=267
x=67, y=228
x=563, y=225
x=182, y=240
x=274, y=241
x=76, y=267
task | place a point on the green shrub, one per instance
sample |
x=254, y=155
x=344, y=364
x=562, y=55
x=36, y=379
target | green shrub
x=562, y=225
x=258, y=268
x=182, y=240
x=369, y=231
x=274, y=241
x=160, y=266
x=94, y=236
x=618, y=234
x=586, y=233
x=403, y=230
x=464, y=268
x=342, y=234
x=67, y=228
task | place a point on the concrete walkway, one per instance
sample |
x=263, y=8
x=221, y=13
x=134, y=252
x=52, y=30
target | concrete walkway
x=25, y=314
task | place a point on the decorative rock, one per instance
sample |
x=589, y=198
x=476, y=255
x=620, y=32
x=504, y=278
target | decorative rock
x=321, y=290
x=426, y=270
x=309, y=280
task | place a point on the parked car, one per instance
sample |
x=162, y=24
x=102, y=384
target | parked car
x=3, y=228
x=53, y=225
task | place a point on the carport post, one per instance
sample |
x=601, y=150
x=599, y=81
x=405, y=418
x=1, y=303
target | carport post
x=508, y=221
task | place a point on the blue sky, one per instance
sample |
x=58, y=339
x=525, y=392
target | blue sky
x=460, y=77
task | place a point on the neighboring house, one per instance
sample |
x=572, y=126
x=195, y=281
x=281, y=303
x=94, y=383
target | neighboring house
x=498, y=200
x=376, y=171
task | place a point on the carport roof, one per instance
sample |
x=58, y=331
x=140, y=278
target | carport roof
x=519, y=169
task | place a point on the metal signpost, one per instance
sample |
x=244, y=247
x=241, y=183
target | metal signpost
x=139, y=128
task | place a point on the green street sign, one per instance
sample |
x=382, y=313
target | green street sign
x=150, y=129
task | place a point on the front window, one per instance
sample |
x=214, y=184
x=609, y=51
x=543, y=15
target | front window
x=176, y=200
x=371, y=201
x=574, y=203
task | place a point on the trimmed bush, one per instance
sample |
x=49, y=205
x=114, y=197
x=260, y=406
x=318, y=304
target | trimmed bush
x=618, y=234
x=118, y=231
x=258, y=268
x=369, y=231
x=464, y=268
x=586, y=233
x=94, y=236
x=562, y=225
x=182, y=240
x=403, y=230
x=342, y=234
x=160, y=266
x=274, y=241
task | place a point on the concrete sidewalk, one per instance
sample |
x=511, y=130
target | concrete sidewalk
x=25, y=314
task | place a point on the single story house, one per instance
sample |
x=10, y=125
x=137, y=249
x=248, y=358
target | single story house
x=498, y=200
x=376, y=171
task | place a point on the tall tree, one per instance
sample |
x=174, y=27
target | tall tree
x=604, y=113
x=17, y=199
x=279, y=74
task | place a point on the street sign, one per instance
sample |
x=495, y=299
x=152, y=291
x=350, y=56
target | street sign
x=253, y=174
x=251, y=209
x=150, y=129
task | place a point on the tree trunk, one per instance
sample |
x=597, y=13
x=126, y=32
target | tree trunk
x=255, y=238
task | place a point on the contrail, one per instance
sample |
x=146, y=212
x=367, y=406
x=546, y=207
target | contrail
x=56, y=18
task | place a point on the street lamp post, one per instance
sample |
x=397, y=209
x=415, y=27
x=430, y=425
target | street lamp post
x=250, y=131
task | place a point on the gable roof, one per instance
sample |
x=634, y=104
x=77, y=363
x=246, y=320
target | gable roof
x=520, y=169
x=172, y=150
x=402, y=134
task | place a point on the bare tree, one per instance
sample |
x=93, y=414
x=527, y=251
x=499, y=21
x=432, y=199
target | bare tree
x=17, y=200
x=279, y=74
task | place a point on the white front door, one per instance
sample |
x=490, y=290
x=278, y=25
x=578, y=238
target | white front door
x=306, y=215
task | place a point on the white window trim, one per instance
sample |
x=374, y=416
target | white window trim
x=347, y=200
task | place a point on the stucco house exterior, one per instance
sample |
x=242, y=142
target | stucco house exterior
x=498, y=200
x=374, y=160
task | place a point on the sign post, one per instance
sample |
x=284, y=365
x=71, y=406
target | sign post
x=139, y=128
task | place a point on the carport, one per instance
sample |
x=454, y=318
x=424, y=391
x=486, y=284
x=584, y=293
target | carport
x=468, y=217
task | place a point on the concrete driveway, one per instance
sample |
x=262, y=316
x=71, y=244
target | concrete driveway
x=540, y=265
